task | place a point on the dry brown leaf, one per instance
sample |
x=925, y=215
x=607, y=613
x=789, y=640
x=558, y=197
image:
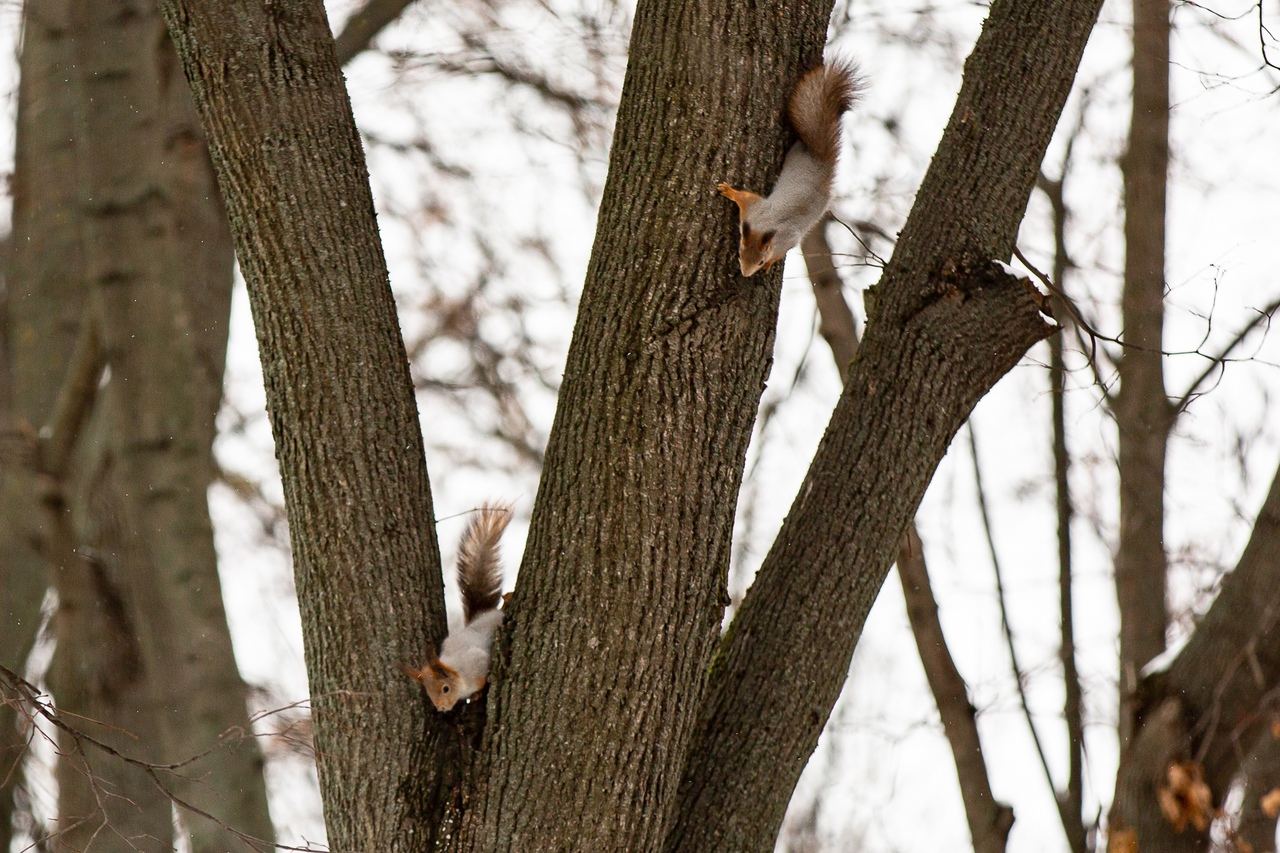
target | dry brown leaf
x=1275, y=729
x=1184, y=797
x=1270, y=803
x=1122, y=841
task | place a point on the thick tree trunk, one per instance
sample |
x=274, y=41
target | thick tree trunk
x=1212, y=706
x=944, y=325
x=159, y=259
x=275, y=110
x=622, y=589
x=1143, y=415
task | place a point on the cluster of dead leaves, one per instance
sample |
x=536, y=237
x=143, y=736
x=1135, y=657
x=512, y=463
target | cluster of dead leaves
x=1184, y=797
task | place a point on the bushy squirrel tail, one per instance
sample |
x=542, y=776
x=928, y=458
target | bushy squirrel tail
x=479, y=569
x=820, y=99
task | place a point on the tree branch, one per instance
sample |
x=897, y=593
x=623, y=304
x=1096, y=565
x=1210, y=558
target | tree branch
x=944, y=325
x=364, y=25
x=989, y=820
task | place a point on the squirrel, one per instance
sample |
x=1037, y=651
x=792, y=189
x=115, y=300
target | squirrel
x=461, y=670
x=771, y=226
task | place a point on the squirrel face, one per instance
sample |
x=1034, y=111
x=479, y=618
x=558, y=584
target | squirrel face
x=755, y=252
x=443, y=683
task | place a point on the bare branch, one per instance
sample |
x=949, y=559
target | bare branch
x=32, y=699
x=1019, y=674
x=363, y=27
x=1217, y=362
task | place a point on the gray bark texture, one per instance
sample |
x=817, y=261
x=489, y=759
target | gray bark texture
x=1142, y=411
x=1215, y=703
x=943, y=326
x=989, y=820
x=122, y=257
x=275, y=110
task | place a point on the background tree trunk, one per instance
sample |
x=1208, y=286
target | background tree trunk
x=143, y=267
x=159, y=261
x=1142, y=411
x=1214, y=703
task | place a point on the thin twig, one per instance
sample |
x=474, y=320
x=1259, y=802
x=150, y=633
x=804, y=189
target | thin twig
x=1004, y=614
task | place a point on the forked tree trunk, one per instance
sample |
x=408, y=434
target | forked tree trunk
x=943, y=325
x=599, y=680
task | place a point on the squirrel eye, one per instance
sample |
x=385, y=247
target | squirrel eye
x=444, y=689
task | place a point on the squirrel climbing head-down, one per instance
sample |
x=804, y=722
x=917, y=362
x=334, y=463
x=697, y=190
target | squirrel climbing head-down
x=770, y=226
x=461, y=669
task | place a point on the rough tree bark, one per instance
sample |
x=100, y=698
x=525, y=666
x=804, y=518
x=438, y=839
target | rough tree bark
x=944, y=327
x=275, y=110
x=989, y=819
x=1213, y=705
x=1142, y=411
x=621, y=593
x=599, y=678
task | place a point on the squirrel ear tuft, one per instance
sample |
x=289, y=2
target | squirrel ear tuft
x=437, y=667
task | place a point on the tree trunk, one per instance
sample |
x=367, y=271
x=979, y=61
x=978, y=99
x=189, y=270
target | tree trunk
x=44, y=295
x=160, y=262
x=1261, y=779
x=1143, y=415
x=989, y=820
x=623, y=585
x=944, y=325
x=1213, y=705
x=271, y=97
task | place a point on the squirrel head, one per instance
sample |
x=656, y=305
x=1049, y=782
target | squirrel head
x=757, y=250
x=442, y=682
